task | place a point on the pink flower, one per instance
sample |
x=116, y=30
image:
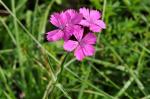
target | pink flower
x=83, y=46
x=92, y=20
x=59, y=20
x=65, y=23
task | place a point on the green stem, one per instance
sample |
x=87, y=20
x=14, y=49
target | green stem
x=19, y=51
x=103, y=14
x=62, y=67
x=104, y=7
x=49, y=87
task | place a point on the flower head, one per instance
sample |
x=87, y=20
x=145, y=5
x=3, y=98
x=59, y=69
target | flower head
x=82, y=46
x=92, y=20
x=65, y=22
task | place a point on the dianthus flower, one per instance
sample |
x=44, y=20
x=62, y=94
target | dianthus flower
x=64, y=22
x=83, y=46
x=76, y=29
x=92, y=19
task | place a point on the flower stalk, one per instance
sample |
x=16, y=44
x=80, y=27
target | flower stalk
x=61, y=68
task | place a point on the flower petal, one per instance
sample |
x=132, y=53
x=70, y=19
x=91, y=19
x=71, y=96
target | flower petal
x=84, y=23
x=94, y=14
x=54, y=35
x=65, y=18
x=55, y=19
x=90, y=38
x=85, y=12
x=88, y=50
x=95, y=28
x=76, y=19
x=75, y=16
x=78, y=32
x=68, y=31
x=70, y=45
x=100, y=23
x=79, y=53
x=59, y=20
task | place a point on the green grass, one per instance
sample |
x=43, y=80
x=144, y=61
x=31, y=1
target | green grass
x=30, y=68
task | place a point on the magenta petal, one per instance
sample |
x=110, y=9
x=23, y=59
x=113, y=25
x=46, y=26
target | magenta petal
x=101, y=24
x=54, y=19
x=88, y=50
x=68, y=31
x=84, y=23
x=85, y=12
x=94, y=14
x=70, y=45
x=65, y=18
x=79, y=53
x=90, y=38
x=54, y=35
x=78, y=32
x=66, y=36
x=75, y=16
x=59, y=20
x=95, y=28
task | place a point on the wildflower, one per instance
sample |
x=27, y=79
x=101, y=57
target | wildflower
x=65, y=23
x=92, y=20
x=82, y=46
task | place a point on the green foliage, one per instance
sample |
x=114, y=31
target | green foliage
x=29, y=66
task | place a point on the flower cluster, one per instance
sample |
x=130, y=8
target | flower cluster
x=77, y=30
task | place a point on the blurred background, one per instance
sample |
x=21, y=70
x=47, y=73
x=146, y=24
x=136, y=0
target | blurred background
x=29, y=64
